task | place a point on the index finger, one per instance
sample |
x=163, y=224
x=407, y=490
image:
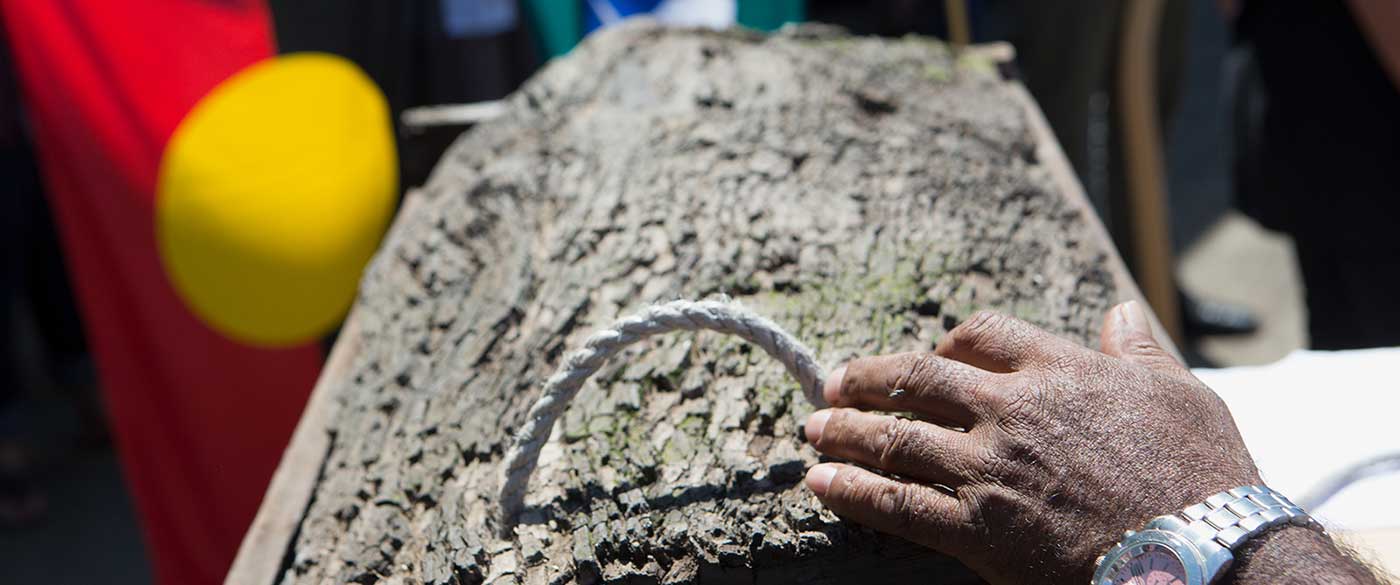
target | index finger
x=998, y=343
x=919, y=382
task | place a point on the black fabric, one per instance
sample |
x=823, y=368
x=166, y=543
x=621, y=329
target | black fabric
x=31, y=260
x=12, y=208
x=1329, y=165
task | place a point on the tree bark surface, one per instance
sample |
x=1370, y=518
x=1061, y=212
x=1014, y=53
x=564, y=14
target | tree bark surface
x=866, y=194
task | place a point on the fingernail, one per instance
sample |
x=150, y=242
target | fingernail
x=815, y=424
x=831, y=391
x=819, y=477
x=1136, y=317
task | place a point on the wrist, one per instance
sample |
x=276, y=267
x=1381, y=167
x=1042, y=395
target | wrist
x=1245, y=535
x=1294, y=554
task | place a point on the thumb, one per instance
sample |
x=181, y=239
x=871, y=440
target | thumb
x=1127, y=335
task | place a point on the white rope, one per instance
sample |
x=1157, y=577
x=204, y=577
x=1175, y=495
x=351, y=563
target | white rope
x=723, y=315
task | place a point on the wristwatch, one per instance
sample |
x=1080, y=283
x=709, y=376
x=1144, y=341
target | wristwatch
x=1195, y=546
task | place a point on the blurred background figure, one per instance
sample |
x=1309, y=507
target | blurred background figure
x=1318, y=118
x=21, y=502
x=42, y=347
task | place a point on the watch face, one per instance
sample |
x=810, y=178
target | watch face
x=1151, y=565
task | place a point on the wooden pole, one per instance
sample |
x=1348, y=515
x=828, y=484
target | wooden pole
x=959, y=27
x=1148, y=223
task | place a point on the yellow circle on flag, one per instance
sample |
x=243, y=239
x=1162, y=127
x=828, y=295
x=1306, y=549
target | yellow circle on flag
x=273, y=194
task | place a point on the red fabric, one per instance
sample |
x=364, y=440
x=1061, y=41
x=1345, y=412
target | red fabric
x=200, y=421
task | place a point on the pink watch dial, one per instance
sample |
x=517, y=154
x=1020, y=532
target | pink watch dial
x=1153, y=566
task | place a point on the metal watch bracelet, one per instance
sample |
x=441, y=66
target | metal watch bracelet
x=1204, y=536
x=1232, y=517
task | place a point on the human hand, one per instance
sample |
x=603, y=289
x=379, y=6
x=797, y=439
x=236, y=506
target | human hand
x=1064, y=448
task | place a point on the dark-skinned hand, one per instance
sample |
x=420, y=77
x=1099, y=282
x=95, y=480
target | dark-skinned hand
x=1028, y=455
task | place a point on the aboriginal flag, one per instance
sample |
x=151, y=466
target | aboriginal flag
x=216, y=202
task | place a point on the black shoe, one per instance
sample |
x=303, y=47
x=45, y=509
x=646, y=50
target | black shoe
x=1201, y=318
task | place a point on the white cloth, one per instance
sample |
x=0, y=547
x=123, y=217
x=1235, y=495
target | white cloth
x=1314, y=414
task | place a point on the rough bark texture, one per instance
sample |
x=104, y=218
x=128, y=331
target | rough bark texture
x=867, y=194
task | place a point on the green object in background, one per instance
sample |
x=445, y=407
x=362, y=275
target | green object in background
x=558, y=24
x=771, y=14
